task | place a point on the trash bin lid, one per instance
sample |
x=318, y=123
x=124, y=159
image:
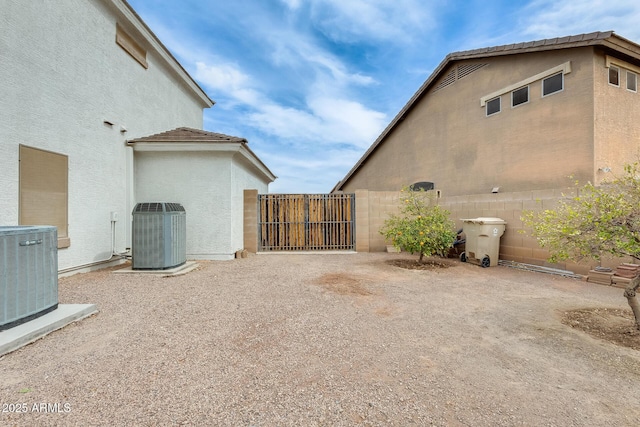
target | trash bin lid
x=485, y=220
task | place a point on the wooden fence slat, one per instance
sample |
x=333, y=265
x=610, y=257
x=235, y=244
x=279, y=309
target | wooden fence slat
x=289, y=222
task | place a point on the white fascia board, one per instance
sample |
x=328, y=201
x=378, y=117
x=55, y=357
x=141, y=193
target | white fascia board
x=256, y=163
x=565, y=68
x=153, y=40
x=231, y=147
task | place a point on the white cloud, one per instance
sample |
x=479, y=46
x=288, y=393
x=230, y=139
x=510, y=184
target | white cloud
x=292, y=4
x=284, y=122
x=347, y=120
x=351, y=20
x=328, y=121
x=227, y=79
x=299, y=52
x=547, y=18
x=309, y=172
x=330, y=112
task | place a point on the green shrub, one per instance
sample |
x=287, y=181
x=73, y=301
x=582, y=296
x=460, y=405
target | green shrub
x=422, y=227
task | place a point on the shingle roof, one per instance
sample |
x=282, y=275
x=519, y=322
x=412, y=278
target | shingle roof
x=162, y=49
x=185, y=134
x=190, y=135
x=545, y=44
x=606, y=39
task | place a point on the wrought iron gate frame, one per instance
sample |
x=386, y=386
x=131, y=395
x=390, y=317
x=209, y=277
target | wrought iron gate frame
x=298, y=227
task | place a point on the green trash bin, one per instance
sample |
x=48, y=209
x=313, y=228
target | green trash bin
x=482, y=244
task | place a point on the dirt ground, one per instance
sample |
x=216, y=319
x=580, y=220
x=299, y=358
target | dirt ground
x=325, y=340
x=613, y=325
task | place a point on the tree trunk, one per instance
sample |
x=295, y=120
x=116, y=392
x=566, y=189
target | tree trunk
x=630, y=295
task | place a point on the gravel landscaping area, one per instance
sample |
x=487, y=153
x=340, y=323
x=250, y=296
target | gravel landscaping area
x=325, y=340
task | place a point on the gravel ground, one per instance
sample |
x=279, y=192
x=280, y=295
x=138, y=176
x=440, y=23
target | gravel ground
x=279, y=340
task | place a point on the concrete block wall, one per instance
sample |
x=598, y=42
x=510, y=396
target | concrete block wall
x=515, y=244
x=250, y=220
x=373, y=207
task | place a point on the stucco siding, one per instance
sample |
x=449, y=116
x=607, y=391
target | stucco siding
x=64, y=75
x=617, y=128
x=200, y=181
x=446, y=138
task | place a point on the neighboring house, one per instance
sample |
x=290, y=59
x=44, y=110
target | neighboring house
x=78, y=79
x=207, y=173
x=519, y=117
x=497, y=129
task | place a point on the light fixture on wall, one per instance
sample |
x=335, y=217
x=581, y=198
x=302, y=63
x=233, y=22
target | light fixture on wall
x=495, y=189
x=107, y=122
x=123, y=129
x=605, y=169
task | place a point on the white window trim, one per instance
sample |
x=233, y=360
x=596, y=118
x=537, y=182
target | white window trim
x=542, y=95
x=627, y=81
x=528, y=96
x=609, y=76
x=564, y=68
x=499, y=109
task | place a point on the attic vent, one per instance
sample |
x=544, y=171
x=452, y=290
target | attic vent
x=465, y=70
x=447, y=80
x=456, y=74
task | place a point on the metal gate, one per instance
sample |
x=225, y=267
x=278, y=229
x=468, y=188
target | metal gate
x=306, y=222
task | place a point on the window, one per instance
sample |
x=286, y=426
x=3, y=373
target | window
x=493, y=106
x=552, y=84
x=632, y=81
x=44, y=191
x=520, y=96
x=614, y=76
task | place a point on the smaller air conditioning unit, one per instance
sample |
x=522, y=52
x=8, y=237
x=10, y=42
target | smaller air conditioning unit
x=159, y=236
x=28, y=273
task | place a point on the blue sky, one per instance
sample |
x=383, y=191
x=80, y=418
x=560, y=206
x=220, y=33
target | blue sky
x=312, y=83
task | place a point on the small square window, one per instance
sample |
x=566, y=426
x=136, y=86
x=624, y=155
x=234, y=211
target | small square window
x=632, y=81
x=493, y=106
x=614, y=76
x=520, y=96
x=552, y=84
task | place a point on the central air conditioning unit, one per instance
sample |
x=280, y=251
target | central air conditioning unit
x=28, y=273
x=159, y=236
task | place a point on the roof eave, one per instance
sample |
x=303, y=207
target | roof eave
x=185, y=146
x=255, y=161
x=134, y=19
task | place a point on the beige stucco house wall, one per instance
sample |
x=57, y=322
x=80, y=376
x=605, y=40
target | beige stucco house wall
x=519, y=157
x=446, y=137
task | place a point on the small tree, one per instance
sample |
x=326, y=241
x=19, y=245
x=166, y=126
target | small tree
x=599, y=220
x=422, y=226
